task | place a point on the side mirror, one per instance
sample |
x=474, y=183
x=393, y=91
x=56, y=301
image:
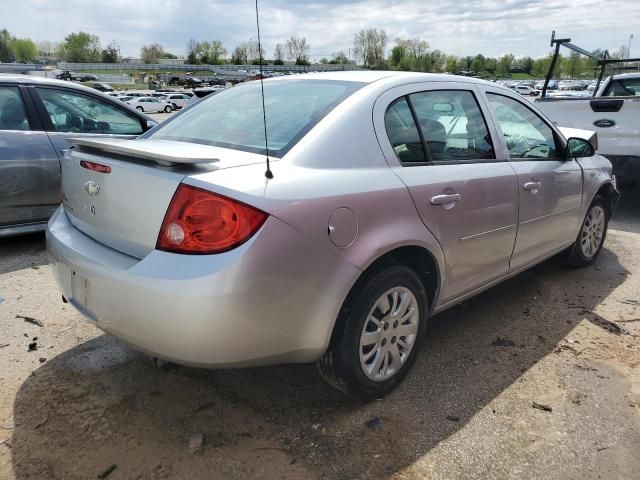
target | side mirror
x=579, y=147
x=150, y=124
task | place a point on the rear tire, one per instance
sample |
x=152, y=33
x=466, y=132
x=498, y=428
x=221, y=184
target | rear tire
x=377, y=335
x=592, y=234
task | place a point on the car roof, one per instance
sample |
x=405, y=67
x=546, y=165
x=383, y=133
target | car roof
x=35, y=80
x=622, y=76
x=371, y=76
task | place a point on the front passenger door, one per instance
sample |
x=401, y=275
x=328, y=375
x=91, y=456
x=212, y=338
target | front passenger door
x=550, y=185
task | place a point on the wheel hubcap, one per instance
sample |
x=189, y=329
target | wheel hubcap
x=389, y=334
x=592, y=232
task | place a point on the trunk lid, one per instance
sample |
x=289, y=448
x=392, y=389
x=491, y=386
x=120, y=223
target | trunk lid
x=124, y=208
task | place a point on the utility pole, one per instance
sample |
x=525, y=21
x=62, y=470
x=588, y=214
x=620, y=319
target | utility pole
x=629, y=47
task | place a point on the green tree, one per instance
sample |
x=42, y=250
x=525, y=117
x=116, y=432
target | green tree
x=151, y=53
x=192, y=51
x=503, y=68
x=110, y=54
x=217, y=52
x=527, y=65
x=339, y=58
x=398, y=53
x=24, y=50
x=6, y=53
x=438, y=60
x=478, y=64
x=451, y=65
x=81, y=47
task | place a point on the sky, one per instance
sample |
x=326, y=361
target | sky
x=469, y=27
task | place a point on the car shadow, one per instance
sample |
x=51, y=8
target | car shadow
x=102, y=404
x=22, y=251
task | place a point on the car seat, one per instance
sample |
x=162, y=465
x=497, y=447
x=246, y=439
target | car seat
x=435, y=136
x=479, y=140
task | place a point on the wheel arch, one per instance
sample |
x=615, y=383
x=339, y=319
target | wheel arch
x=610, y=195
x=416, y=257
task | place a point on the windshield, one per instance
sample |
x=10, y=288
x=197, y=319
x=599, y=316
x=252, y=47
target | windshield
x=233, y=117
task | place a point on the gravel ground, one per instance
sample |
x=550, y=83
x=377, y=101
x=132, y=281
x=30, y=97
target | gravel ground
x=82, y=405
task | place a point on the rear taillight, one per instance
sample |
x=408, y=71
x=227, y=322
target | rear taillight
x=199, y=222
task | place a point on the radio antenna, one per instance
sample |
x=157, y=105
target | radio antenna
x=268, y=173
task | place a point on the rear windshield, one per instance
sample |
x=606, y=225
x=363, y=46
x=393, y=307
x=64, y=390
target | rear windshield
x=233, y=117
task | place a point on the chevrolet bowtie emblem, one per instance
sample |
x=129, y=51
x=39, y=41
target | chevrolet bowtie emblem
x=92, y=188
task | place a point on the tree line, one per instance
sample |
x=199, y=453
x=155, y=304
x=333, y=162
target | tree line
x=371, y=49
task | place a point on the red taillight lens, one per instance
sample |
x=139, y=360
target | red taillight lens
x=96, y=167
x=199, y=221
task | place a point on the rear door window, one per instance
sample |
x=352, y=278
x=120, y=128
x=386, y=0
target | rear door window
x=452, y=126
x=13, y=115
x=403, y=132
x=623, y=87
x=78, y=113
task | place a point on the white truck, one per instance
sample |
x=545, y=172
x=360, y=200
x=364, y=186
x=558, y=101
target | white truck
x=613, y=112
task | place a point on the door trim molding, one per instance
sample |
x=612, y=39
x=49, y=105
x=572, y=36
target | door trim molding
x=549, y=215
x=476, y=235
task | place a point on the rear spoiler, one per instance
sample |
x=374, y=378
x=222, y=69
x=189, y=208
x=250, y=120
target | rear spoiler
x=163, y=152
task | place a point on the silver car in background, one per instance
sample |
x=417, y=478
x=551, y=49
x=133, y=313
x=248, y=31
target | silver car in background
x=37, y=118
x=391, y=197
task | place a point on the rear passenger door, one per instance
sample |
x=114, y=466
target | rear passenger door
x=29, y=166
x=441, y=144
x=550, y=185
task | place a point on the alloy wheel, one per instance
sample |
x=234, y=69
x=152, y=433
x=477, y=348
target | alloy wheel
x=592, y=231
x=389, y=334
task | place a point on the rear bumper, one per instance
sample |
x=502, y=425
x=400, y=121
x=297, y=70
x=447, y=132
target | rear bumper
x=272, y=300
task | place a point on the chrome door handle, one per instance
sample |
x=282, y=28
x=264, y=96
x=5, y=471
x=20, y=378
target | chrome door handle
x=532, y=187
x=447, y=200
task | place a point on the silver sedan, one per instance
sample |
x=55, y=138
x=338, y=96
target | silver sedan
x=389, y=198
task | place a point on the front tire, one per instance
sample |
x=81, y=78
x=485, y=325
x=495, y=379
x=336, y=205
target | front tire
x=592, y=234
x=377, y=335
x=140, y=109
x=168, y=109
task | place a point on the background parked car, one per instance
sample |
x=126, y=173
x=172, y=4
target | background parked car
x=150, y=105
x=526, y=90
x=101, y=87
x=177, y=100
x=37, y=117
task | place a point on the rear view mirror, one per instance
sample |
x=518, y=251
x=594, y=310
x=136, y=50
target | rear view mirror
x=579, y=147
x=442, y=107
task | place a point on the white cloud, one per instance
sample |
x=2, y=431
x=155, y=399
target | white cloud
x=490, y=27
